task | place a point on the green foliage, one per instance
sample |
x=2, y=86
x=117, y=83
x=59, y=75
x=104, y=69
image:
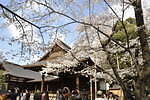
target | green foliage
x=123, y=61
x=120, y=34
x=148, y=32
x=2, y=77
x=131, y=20
x=3, y=85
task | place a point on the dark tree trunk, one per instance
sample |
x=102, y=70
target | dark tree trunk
x=140, y=92
x=142, y=31
x=125, y=93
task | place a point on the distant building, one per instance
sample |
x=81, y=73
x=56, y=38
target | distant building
x=61, y=68
x=57, y=52
x=29, y=76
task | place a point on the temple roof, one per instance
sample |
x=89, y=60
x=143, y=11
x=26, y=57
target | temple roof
x=58, y=49
x=17, y=71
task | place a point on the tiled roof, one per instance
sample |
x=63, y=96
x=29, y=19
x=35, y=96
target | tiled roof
x=59, y=43
x=17, y=71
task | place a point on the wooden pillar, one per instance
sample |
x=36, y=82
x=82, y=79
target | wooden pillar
x=42, y=82
x=47, y=86
x=77, y=82
x=95, y=80
x=42, y=86
x=118, y=65
x=35, y=88
x=91, y=89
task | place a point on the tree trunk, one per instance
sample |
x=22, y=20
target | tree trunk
x=144, y=70
x=142, y=31
x=118, y=78
x=139, y=90
x=125, y=94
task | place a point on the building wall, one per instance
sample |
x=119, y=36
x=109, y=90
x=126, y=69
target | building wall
x=118, y=92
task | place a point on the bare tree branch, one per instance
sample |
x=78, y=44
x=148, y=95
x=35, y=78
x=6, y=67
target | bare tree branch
x=58, y=26
x=13, y=13
x=126, y=32
x=80, y=22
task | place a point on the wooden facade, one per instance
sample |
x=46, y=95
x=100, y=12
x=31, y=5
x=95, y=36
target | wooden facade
x=66, y=79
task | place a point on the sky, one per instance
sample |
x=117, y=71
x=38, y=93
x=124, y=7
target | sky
x=9, y=30
x=130, y=11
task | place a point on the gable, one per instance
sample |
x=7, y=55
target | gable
x=59, y=49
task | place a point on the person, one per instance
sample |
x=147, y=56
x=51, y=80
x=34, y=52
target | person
x=99, y=95
x=59, y=95
x=23, y=95
x=45, y=96
x=27, y=95
x=116, y=97
x=84, y=94
x=2, y=96
x=110, y=96
x=18, y=94
x=8, y=95
x=31, y=95
x=105, y=96
x=13, y=95
x=66, y=93
x=75, y=95
x=37, y=95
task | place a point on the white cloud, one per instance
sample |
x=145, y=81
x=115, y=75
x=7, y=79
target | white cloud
x=146, y=7
x=13, y=31
x=146, y=4
x=129, y=12
x=32, y=5
x=16, y=33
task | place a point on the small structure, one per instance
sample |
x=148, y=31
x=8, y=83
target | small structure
x=16, y=76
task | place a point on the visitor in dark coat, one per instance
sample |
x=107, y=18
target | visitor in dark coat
x=8, y=95
x=75, y=95
x=60, y=95
x=13, y=95
x=27, y=95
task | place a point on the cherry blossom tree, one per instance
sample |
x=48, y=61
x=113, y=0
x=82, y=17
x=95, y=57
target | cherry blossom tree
x=37, y=20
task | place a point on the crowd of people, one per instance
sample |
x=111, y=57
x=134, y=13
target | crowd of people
x=106, y=96
x=61, y=94
x=66, y=94
x=16, y=94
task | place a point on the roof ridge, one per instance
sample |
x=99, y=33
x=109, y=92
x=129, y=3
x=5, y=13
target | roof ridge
x=58, y=42
x=62, y=44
